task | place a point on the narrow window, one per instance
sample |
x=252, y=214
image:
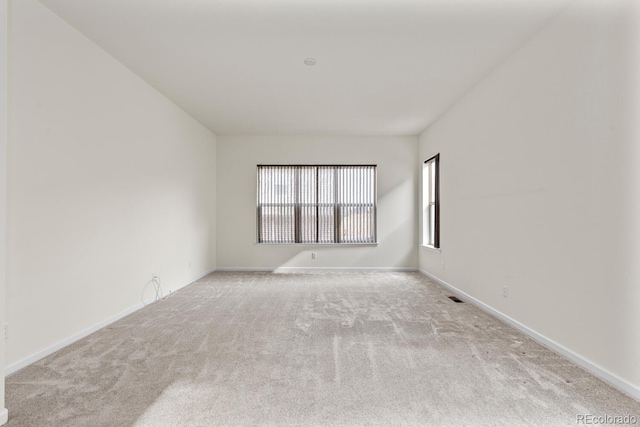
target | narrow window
x=431, y=202
x=316, y=204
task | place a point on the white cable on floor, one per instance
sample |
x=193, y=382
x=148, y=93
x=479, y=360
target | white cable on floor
x=157, y=287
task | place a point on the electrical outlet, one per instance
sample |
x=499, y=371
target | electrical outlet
x=443, y=265
x=314, y=255
x=505, y=291
x=6, y=331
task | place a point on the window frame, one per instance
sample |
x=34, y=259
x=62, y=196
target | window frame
x=431, y=197
x=337, y=206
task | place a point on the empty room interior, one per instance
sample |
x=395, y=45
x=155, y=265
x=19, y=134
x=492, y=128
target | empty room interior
x=320, y=212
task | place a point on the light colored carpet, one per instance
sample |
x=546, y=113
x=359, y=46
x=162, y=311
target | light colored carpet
x=308, y=349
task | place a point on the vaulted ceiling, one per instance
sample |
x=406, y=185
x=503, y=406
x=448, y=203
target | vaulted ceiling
x=384, y=67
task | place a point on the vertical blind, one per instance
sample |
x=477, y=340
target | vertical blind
x=316, y=204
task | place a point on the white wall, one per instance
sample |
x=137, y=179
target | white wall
x=540, y=188
x=4, y=41
x=397, y=191
x=108, y=183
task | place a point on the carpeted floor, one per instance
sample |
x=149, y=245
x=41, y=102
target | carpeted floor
x=308, y=349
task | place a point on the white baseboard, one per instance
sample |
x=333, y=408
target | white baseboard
x=600, y=372
x=14, y=367
x=302, y=269
x=200, y=276
x=208, y=272
x=4, y=416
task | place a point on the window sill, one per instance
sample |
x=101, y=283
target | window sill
x=316, y=244
x=432, y=249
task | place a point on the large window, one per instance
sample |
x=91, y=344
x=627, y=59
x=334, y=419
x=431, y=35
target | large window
x=431, y=202
x=316, y=204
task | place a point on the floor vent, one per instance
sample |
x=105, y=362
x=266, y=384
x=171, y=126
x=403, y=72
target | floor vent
x=455, y=299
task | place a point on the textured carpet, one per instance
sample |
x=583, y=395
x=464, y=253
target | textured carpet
x=308, y=349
